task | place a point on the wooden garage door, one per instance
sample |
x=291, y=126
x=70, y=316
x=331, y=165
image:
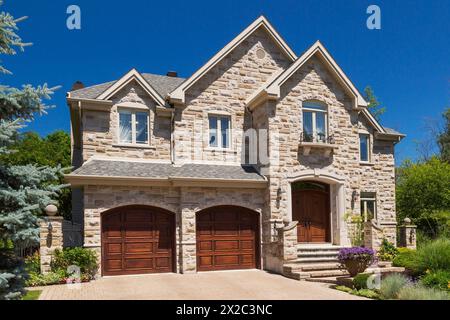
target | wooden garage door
x=227, y=238
x=137, y=240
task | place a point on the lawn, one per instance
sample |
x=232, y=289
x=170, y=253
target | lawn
x=32, y=295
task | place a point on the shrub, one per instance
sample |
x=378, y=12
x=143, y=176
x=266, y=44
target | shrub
x=392, y=284
x=439, y=280
x=367, y=293
x=356, y=259
x=434, y=256
x=33, y=263
x=360, y=281
x=407, y=258
x=84, y=258
x=418, y=292
x=344, y=289
x=38, y=279
x=387, y=251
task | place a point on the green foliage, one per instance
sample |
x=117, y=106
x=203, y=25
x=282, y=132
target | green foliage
x=38, y=279
x=360, y=281
x=367, y=293
x=423, y=194
x=84, y=258
x=444, y=138
x=418, y=292
x=32, y=295
x=52, y=151
x=392, y=284
x=356, y=229
x=437, y=279
x=12, y=275
x=434, y=256
x=33, y=263
x=387, y=251
x=344, y=289
x=374, y=106
x=407, y=259
x=24, y=189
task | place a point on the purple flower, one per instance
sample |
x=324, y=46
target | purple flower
x=357, y=253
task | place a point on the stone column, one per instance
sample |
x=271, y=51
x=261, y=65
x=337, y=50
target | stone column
x=287, y=237
x=51, y=236
x=373, y=235
x=407, y=234
x=188, y=242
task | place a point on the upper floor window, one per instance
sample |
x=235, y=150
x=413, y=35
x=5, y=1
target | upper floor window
x=368, y=206
x=219, y=131
x=133, y=126
x=315, y=122
x=364, y=147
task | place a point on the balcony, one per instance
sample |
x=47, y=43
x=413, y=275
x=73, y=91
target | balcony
x=319, y=141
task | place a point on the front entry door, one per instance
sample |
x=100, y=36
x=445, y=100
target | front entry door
x=310, y=207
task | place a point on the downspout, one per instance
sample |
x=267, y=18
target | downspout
x=172, y=138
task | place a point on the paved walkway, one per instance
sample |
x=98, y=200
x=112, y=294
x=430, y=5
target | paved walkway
x=235, y=285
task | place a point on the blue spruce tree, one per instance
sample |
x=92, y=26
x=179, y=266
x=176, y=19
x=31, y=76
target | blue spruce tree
x=24, y=190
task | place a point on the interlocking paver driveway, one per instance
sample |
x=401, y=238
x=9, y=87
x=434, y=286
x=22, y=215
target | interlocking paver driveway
x=236, y=285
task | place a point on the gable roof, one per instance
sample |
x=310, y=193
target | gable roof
x=162, y=85
x=177, y=95
x=317, y=49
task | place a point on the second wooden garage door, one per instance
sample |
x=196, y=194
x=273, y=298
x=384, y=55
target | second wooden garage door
x=227, y=238
x=137, y=239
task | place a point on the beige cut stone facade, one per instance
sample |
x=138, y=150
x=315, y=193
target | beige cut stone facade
x=179, y=134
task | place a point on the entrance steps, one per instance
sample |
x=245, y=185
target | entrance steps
x=314, y=261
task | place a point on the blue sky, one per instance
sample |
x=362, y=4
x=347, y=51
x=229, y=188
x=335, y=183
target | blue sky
x=407, y=62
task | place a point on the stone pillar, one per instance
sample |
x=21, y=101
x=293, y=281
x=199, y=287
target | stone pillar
x=287, y=237
x=373, y=235
x=51, y=236
x=407, y=234
x=188, y=241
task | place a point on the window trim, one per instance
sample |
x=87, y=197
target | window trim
x=369, y=147
x=314, y=112
x=364, y=200
x=133, y=112
x=219, y=116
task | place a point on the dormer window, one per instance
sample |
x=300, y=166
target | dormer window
x=315, y=122
x=133, y=127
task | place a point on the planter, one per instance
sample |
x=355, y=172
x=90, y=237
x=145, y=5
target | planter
x=355, y=266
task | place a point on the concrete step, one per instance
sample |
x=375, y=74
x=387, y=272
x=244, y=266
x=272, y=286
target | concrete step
x=317, y=254
x=331, y=280
x=320, y=266
x=316, y=259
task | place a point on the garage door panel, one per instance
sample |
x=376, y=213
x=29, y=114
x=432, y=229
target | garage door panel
x=226, y=238
x=226, y=245
x=227, y=260
x=138, y=240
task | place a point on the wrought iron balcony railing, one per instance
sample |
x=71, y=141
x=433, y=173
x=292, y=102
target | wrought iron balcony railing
x=317, y=138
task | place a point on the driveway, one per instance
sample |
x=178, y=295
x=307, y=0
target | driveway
x=233, y=285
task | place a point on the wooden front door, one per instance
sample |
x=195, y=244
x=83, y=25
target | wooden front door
x=227, y=238
x=137, y=239
x=311, y=208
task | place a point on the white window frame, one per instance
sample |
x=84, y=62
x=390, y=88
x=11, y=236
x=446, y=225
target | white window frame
x=369, y=144
x=313, y=119
x=133, y=126
x=363, y=203
x=220, y=116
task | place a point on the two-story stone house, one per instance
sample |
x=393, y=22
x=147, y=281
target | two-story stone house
x=257, y=158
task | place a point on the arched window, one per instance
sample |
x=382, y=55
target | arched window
x=315, y=121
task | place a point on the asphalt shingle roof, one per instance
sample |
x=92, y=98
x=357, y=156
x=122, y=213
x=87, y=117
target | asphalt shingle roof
x=392, y=131
x=162, y=84
x=108, y=168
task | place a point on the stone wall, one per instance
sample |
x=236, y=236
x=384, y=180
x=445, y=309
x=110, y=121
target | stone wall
x=314, y=82
x=224, y=90
x=184, y=202
x=100, y=129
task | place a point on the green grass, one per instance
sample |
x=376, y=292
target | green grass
x=32, y=295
